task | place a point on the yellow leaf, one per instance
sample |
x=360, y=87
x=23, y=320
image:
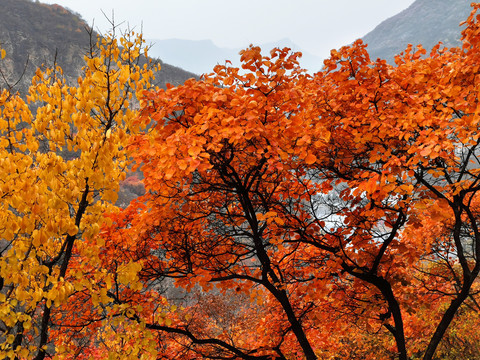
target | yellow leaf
x=73, y=230
x=24, y=353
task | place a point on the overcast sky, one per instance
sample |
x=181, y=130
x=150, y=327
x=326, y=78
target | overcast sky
x=315, y=25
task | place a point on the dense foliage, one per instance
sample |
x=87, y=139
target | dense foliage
x=333, y=216
x=62, y=155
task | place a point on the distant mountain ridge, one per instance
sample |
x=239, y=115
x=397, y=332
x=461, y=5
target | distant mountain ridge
x=424, y=22
x=200, y=56
x=33, y=33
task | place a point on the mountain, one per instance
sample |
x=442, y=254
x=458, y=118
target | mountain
x=33, y=33
x=200, y=56
x=197, y=56
x=424, y=22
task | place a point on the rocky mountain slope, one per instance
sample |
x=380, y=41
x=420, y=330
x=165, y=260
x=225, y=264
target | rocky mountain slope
x=425, y=22
x=33, y=34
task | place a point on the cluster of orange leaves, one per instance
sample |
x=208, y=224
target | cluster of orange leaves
x=328, y=200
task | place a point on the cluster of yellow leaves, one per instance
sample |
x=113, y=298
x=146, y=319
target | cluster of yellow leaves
x=62, y=156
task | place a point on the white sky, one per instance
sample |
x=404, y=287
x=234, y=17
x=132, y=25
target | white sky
x=315, y=25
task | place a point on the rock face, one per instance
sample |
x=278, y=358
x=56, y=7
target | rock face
x=33, y=34
x=425, y=22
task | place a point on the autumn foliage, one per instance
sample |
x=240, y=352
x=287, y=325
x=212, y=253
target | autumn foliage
x=286, y=215
x=62, y=156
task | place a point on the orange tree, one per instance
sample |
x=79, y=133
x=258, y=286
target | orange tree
x=62, y=156
x=343, y=205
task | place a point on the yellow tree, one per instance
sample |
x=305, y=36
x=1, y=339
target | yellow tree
x=62, y=155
